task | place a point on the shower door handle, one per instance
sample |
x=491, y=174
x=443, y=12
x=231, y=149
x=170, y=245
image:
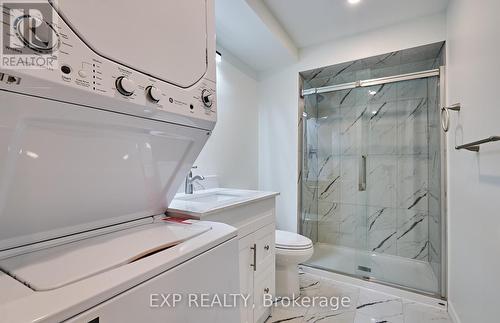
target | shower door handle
x=362, y=174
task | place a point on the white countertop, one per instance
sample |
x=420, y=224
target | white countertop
x=205, y=202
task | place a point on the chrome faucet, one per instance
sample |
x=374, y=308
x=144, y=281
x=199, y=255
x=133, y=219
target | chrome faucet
x=188, y=185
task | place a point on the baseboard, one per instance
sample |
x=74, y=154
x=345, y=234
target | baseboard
x=428, y=300
x=453, y=314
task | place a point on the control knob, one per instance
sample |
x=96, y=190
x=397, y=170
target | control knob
x=153, y=93
x=125, y=86
x=206, y=98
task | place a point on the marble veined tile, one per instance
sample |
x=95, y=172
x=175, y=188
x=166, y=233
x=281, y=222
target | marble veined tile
x=329, y=212
x=351, y=128
x=413, y=234
x=381, y=181
x=412, y=183
x=353, y=226
x=362, y=318
x=419, y=313
x=309, y=284
x=381, y=218
x=342, y=98
x=422, y=53
x=282, y=312
x=379, y=306
x=412, y=127
x=329, y=232
x=410, y=221
x=344, y=225
x=367, y=306
x=329, y=178
x=379, y=94
x=418, y=250
x=413, y=67
x=330, y=317
x=335, y=291
x=349, y=180
x=382, y=128
x=413, y=89
x=382, y=241
x=328, y=137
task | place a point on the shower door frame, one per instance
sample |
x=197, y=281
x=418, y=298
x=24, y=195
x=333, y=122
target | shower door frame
x=441, y=74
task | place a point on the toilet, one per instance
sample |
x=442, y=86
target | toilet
x=291, y=250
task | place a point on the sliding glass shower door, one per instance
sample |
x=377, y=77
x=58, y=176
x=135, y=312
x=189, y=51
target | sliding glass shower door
x=371, y=185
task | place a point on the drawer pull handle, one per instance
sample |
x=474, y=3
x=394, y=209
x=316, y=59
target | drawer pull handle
x=266, y=290
x=266, y=247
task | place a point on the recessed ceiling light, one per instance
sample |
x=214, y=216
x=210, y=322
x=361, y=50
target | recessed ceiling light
x=372, y=92
x=354, y=1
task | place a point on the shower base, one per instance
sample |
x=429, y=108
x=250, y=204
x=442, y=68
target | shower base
x=393, y=270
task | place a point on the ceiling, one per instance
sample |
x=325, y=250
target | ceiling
x=312, y=22
x=267, y=34
x=241, y=30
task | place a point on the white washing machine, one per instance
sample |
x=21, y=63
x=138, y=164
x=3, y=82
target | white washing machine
x=93, y=149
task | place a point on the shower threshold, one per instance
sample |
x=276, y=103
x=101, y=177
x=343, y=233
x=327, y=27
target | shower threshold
x=407, y=274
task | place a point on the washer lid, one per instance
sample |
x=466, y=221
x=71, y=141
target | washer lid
x=55, y=267
x=164, y=39
x=290, y=240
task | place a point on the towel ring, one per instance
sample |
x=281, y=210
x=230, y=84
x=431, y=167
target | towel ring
x=445, y=115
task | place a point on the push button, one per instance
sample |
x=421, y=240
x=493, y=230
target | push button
x=65, y=69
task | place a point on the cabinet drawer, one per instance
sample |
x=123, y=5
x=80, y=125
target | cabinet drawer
x=264, y=285
x=265, y=244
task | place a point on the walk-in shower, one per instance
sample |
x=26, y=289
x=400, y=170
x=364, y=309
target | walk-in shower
x=371, y=168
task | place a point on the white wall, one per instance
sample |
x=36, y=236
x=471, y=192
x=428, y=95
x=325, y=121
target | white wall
x=474, y=179
x=231, y=152
x=278, y=102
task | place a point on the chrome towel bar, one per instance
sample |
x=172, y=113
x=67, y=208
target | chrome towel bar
x=474, y=146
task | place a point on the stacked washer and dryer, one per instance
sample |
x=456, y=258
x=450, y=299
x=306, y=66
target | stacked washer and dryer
x=92, y=152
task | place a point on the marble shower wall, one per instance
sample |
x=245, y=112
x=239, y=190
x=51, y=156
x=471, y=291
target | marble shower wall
x=399, y=62
x=396, y=126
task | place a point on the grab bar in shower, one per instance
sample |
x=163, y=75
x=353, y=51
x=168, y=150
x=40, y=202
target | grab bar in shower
x=474, y=146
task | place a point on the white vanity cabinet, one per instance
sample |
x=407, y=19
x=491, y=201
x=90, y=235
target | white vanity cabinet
x=257, y=271
x=253, y=214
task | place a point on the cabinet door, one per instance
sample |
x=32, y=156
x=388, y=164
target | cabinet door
x=264, y=239
x=263, y=291
x=246, y=259
x=264, y=279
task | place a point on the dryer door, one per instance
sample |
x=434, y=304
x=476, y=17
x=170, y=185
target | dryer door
x=66, y=169
x=165, y=39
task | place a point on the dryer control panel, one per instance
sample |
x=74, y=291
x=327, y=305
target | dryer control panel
x=80, y=75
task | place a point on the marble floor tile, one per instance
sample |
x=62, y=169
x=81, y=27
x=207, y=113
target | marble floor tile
x=361, y=318
x=281, y=315
x=416, y=313
x=331, y=317
x=379, y=306
x=368, y=306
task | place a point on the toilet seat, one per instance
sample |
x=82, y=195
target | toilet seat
x=292, y=241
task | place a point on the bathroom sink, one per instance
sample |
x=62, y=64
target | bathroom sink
x=208, y=201
x=213, y=197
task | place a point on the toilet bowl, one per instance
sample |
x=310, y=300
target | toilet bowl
x=291, y=250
